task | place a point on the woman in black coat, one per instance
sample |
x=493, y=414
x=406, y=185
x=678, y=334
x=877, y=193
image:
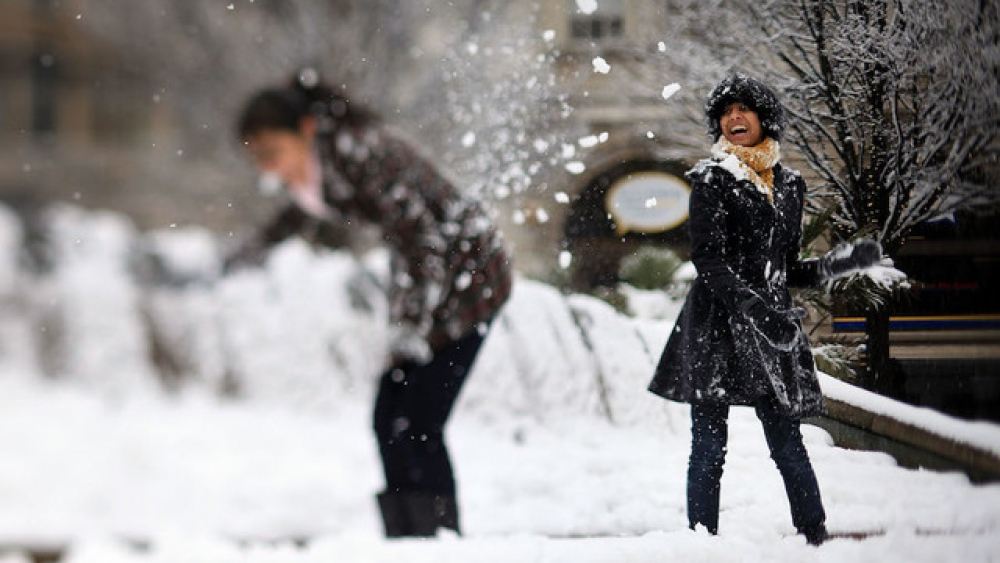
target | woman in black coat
x=738, y=339
x=340, y=166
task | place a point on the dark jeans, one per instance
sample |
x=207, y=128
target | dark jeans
x=709, y=433
x=413, y=404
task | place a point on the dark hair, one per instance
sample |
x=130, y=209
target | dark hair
x=306, y=95
x=752, y=92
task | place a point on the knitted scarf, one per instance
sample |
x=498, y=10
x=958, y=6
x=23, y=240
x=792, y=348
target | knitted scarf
x=757, y=161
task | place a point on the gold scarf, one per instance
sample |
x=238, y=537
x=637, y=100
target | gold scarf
x=758, y=161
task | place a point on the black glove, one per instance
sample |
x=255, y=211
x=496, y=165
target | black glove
x=777, y=327
x=850, y=257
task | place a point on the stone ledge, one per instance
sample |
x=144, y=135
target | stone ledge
x=859, y=427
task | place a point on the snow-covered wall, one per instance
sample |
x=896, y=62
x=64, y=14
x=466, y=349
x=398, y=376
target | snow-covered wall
x=125, y=312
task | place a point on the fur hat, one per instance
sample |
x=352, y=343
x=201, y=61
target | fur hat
x=752, y=92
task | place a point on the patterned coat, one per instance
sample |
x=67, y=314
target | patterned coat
x=741, y=244
x=449, y=269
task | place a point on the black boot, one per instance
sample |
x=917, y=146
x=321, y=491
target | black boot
x=446, y=507
x=395, y=514
x=815, y=535
x=429, y=511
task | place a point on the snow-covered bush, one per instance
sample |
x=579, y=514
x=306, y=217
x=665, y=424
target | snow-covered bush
x=649, y=267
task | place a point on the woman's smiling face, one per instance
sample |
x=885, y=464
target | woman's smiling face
x=740, y=125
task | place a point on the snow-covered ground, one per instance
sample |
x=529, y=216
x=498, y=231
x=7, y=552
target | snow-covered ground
x=263, y=440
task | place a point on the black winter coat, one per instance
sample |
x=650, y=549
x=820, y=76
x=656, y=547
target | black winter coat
x=742, y=245
x=450, y=270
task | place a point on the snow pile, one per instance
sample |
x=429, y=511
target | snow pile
x=125, y=314
x=17, y=339
x=92, y=320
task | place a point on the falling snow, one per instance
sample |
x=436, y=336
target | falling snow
x=669, y=90
x=586, y=6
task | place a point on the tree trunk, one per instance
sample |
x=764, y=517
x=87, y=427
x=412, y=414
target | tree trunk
x=880, y=376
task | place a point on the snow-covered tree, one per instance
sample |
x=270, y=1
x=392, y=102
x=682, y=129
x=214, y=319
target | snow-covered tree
x=894, y=105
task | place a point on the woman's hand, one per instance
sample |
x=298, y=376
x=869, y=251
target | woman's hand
x=850, y=257
x=777, y=327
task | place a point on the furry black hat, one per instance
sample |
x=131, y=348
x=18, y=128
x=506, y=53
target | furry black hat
x=752, y=92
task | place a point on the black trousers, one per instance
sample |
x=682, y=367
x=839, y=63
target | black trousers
x=414, y=403
x=709, y=434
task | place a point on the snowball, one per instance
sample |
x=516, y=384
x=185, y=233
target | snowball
x=468, y=139
x=575, y=167
x=463, y=281
x=601, y=65
x=670, y=90
x=592, y=140
x=565, y=259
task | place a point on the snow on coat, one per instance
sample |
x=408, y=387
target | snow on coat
x=742, y=245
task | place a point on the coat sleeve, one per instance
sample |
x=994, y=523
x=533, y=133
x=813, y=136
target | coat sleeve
x=406, y=197
x=709, y=249
x=801, y=273
x=284, y=224
x=287, y=222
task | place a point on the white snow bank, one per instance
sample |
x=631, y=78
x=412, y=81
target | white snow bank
x=982, y=435
x=198, y=480
x=90, y=315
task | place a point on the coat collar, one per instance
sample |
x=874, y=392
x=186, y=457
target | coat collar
x=732, y=166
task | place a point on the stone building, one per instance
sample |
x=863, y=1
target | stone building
x=73, y=111
x=627, y=189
